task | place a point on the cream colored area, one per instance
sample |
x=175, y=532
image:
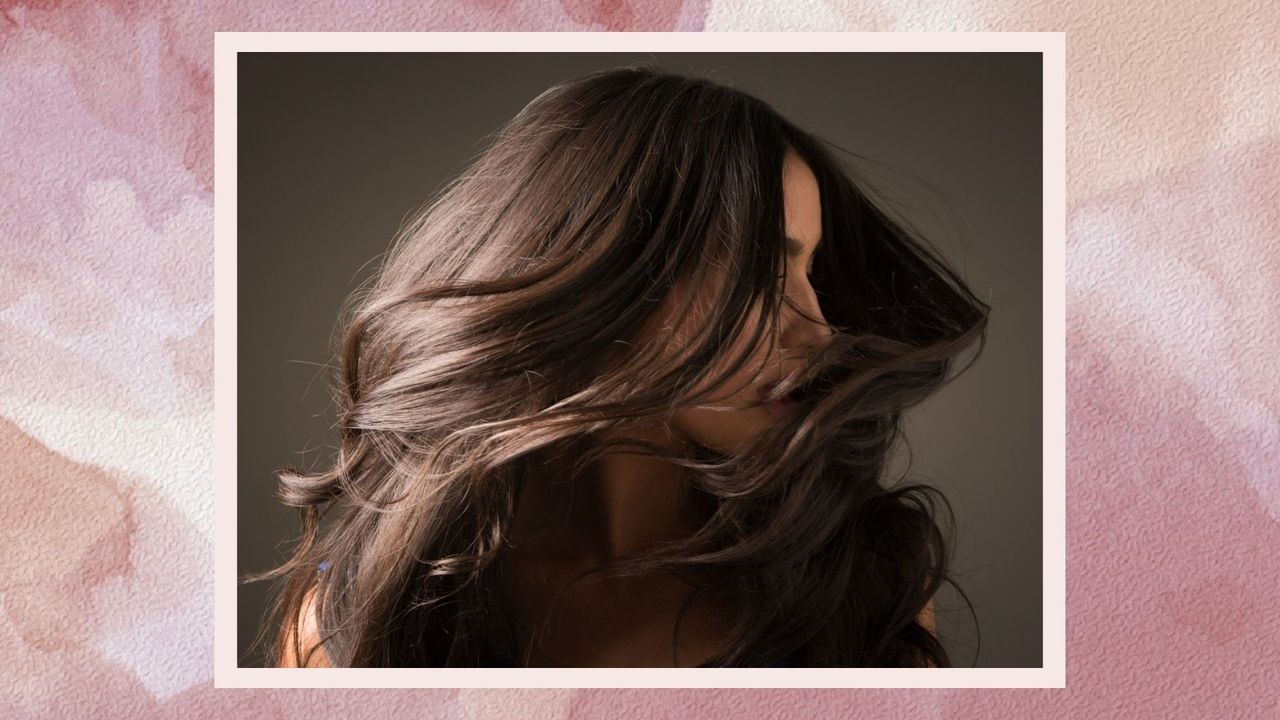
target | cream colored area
x=1252, y=95
x=836, y=16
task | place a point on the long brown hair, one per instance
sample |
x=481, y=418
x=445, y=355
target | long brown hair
x=508, y=317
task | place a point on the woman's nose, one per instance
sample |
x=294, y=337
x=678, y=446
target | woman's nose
x=808, y=332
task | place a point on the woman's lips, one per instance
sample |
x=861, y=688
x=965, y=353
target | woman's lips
x=780, y=407
x=777, y=408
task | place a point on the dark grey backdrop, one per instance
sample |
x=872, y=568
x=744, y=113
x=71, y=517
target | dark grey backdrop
x=336, y=148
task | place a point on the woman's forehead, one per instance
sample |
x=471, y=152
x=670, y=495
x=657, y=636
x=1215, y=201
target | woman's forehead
x=802, y=201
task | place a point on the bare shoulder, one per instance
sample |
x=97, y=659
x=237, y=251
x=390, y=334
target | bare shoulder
x=310, y=637
x=926, y=618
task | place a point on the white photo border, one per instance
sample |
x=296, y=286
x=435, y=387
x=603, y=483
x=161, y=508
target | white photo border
x=227, y=674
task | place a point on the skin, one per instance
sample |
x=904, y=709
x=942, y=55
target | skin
x=630, y=501
x=726, y=431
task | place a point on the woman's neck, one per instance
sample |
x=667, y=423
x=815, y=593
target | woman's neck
x=620, y=503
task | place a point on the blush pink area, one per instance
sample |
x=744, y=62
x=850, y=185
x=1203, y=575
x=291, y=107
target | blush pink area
x=206, y=701
x=68, y=529
x=749, y=703
x=106, y=359
x=1205, y=306
x=1171, y=571
x=1169, y=576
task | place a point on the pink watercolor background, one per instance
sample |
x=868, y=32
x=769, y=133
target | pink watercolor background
x=106, y=358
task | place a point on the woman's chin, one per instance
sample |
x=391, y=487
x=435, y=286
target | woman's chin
x=730, y=433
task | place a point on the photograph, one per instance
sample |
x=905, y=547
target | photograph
x=708, y=359
x=639, y=359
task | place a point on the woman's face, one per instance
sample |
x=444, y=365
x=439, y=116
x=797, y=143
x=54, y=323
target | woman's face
x=726, y=431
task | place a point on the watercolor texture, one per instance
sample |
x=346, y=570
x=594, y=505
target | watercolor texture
x=1173, y=328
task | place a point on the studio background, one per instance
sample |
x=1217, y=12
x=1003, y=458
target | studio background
x=335, y=149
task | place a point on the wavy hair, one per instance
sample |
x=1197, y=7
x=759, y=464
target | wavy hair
x=512, y=315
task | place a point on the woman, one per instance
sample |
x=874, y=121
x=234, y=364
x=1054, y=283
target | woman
x=622, y=395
